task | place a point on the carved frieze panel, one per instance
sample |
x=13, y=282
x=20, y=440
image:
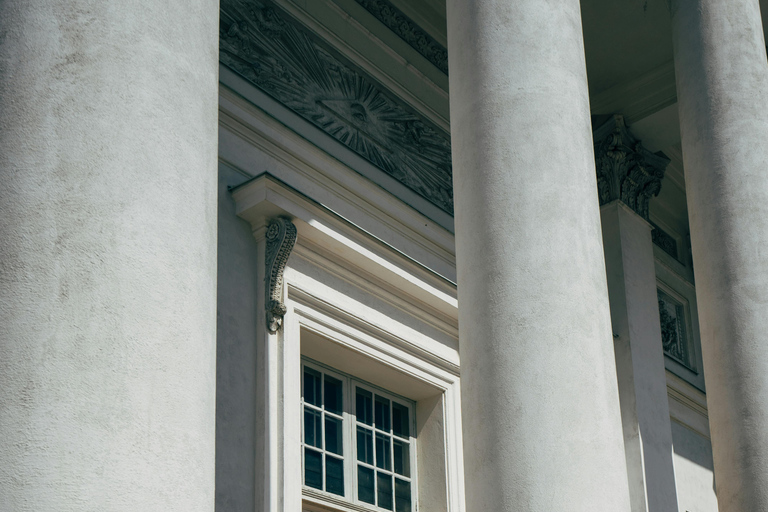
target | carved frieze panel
x=625, y=169
x=674, y=333
x=288, y=62
x=664, y=240
x=408, y=31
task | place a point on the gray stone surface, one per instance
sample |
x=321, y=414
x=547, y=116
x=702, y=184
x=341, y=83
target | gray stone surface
x=722, y=84
x=107, y=255
x=540, y=407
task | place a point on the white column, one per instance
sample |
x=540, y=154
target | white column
x=639, y=358
x=722, y=87
x=540, y=406
x=108, y=154
x=628, y=176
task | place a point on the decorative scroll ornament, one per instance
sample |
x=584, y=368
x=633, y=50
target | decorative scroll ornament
x=288, y=62
x=625, y=169
x=281, y=237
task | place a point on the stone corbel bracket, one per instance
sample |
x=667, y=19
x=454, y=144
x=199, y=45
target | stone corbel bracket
x=281, y=237
x=625, y=169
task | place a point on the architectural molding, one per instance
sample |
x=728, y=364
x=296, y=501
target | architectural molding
x=625, y=169
x=281, y=237
x=289, y=63
x=408, y=31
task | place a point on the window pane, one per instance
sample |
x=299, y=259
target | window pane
x=402, y=458
x=312, y=387
x=333, y=401
x=402, y=496
x=313, y=468
x=382, y=413
x=400, y=423
x=384, y=491
x=364, y=445
x=382, y=452
x=334, y=475
x=333, y=433
x=312, y=429
x=365, y=485
x=364, y=406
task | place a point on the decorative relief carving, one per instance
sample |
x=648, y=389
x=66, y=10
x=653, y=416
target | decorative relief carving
x=286, y=61
x=408, y=31
x=674, y=335
x=625, y=169
x=664, y=240
x=281, y=237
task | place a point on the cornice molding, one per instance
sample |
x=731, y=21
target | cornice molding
x=625, y=169
x=408, y=31
x=281, y=237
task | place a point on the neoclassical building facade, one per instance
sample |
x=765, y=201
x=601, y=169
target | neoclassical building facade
x=371, y=255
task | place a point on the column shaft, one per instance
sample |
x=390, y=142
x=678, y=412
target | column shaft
x=639, y=358
x=722, y=85
x=540, y=404
x=108, y=154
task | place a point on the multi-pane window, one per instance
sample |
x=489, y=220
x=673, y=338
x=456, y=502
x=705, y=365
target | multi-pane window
x=323, y=432
x=357, y=440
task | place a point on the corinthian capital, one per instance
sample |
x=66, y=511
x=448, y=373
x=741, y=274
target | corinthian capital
x=625, y=169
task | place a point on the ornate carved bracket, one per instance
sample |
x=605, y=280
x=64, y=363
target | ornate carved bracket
x=281, y=237
x=625, y=169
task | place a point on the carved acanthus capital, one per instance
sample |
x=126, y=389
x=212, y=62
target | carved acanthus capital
x=625, y=169
x=281, y=237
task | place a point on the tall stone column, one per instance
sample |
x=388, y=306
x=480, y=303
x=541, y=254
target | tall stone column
x=540, y=406
x=108, y=154
x=722, y=86
x=627, y=176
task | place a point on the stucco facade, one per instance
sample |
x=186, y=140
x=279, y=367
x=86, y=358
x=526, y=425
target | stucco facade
x=368, y=255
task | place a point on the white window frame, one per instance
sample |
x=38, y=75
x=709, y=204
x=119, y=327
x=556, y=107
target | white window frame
x=350, y=383
x=398, y=320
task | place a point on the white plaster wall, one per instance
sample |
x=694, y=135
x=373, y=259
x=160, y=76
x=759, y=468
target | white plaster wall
x=693, y=470
x=237, y=413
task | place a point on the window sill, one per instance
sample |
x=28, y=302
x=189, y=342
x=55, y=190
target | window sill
x=319, y=501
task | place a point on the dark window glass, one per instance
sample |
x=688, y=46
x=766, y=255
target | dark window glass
x=400, y=424
x=333, y=401
x=402, y=459
x=312, y=429
x=384, y=491
x=312, y=387
x=364, y=445
x=364, y=407
x=365, y=485
x=313, y=468
x=382, y=452
x=333, y=435
x=402, y=496
x=334, y=475
x=382, y=413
